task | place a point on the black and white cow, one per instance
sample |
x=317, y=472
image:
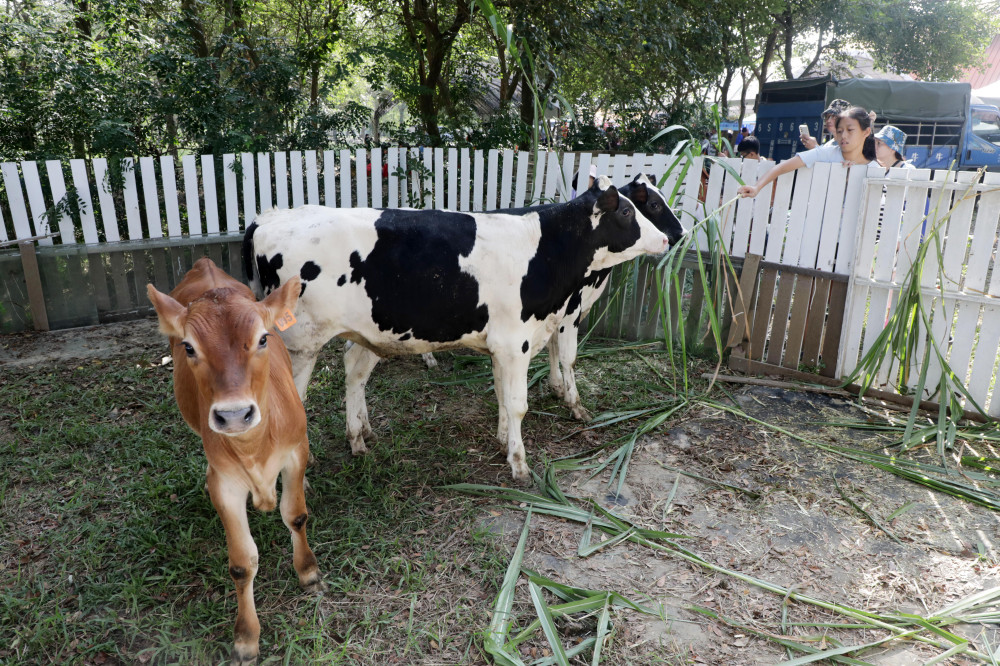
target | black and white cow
x=562, y=346
x=411, y=281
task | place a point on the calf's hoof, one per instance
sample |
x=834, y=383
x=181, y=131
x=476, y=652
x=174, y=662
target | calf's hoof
x=429, y=360
x=521, y=473
x=358, y=447
x=313, y=585
x=557, y=389
x=244, y=655
x=580, y=413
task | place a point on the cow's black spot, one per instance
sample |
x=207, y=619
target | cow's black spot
x=268, y=269
x=413, y=278
x=525, y=347
x=238, y=573
x=342, y=280
x=300, y=520
x=405, y=336
x=562, y=329
x=309, y=271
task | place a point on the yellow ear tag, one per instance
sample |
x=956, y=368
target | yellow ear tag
x=285, y=321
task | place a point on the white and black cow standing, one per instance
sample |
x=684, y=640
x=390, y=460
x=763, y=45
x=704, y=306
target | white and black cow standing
x=563, y=344
x=412, y=281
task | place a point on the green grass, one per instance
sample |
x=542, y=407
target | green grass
x=113, y=553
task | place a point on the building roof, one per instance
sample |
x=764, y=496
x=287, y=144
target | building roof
x=990, y=72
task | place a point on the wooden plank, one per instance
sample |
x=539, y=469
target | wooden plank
x=761, y=323
x=312, y=177
x=801, y=299
x=564, y=186
x=264, y=181
x=690, y=203
x=833, y=211
x=477, y=180
x=744, y=207
x=281, y=179
x=15, y=200
x=913, y=218
x=759, y=224
x=814, y=322
x=465, y=189
x=209, y=191
x=392, y=158
x=330, y=178
x=33, y=283
x=168, y=175
x=602, y=163
x=57, y=186
x=404, y=181
x=739, y=329
x=452, y=170
x=692, y=326
x=553, y=174
x=940, y=335
x=295, y=170
x=232, y=198
x=797, y=216
x=36, y=201
x=727, y=220
x=780, y=207
x=850, y=221
x=521, y=182
x=361, y=177
x=376, y=162
x=345, y=179
x=81, y=181
x=507, y=179
x=109, y=218
x=491, y=180
x=440, y=200
x=805, y=254
x=985, y=359
x=428, y=195
x=583, y=174
x=618, y=165
x=955, y=245
x=249, y=192
x=132, y=215
x=779, y=321
x=538, y=178
x=124, y=298
x=191, y=199
x=966, y=331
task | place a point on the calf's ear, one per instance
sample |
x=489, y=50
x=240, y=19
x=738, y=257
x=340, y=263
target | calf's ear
x=281, y=300
x=608, y=200
x=169, y=312
x=640, y=194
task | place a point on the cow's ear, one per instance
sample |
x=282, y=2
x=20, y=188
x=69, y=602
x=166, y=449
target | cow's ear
x=639, y=194
x=652, y=178
x=608, y=200
x=169, y=312
x=282, y=300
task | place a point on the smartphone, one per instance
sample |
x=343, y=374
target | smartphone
x=804, y=130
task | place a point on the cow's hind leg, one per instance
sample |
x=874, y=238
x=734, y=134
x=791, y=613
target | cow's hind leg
x=498, y=388
x=568, y=335
x=295, y=515
x=358, y=365
x=555, y=376
x=230, y=500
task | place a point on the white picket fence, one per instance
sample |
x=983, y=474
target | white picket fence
x=858, y=221
x=151, y=206
x=965, y=303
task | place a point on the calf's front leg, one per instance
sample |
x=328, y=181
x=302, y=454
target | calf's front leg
x=513, y=378
x=230, y=500
x=568, y=338
x=295, y=514
x=358, y=365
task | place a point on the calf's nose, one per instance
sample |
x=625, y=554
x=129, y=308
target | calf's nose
x=233, y=420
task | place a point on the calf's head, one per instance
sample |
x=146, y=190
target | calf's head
x=219, y=340
x=648, y=199
x=619, y=227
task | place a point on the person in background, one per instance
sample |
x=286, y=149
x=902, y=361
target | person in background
x=829, y=117
x=855, y=145
x=890, y=144
x=749, y=148
x=743, y=133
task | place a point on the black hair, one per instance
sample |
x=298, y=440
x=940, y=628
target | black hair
x=865, y=121
x=749, y=144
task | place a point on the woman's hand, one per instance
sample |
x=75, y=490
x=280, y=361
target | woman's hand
x=748, y=191
x=808, y=141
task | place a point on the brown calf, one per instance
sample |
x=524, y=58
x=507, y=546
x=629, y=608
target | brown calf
x=233, y=383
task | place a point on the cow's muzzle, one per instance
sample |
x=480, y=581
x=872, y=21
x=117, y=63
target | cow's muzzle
x=233, y=419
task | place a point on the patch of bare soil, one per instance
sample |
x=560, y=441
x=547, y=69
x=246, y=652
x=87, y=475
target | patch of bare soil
x=797, y=532
x=138, y=338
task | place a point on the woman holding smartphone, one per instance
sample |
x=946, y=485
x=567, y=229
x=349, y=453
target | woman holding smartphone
x=855, y=145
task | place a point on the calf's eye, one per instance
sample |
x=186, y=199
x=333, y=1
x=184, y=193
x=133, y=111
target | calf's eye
x=188, y=349
x=263, y=341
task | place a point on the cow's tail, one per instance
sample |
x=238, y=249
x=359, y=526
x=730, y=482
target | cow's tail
x=249, y=262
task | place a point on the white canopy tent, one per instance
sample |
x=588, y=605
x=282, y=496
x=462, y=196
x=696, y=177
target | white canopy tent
x=989, y=94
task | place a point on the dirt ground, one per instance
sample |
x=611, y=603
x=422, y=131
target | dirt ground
x=793, y=528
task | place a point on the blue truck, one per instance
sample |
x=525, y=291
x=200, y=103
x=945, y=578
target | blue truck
x=941, y=121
